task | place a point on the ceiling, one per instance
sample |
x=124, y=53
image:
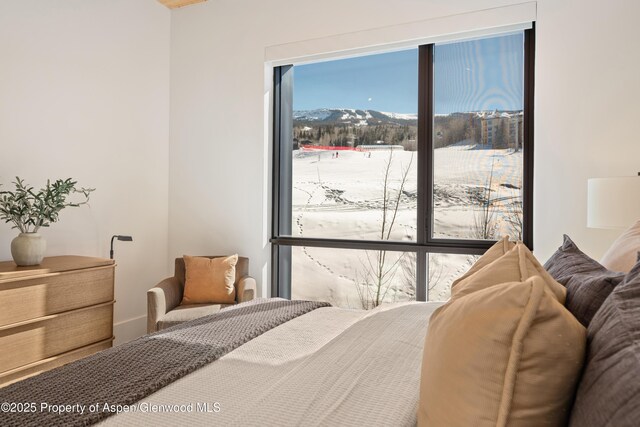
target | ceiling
x=174, y=4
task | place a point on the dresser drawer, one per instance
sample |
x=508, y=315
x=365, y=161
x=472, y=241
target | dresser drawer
x=39, y=339
x=35, y=368
x=30, y=298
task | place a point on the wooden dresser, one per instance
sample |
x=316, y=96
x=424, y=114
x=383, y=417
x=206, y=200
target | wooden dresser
x=53, y=313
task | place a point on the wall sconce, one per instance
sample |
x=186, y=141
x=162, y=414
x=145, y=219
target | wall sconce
x=122, y=239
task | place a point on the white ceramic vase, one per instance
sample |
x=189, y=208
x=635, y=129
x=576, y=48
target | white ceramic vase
x=28, y=249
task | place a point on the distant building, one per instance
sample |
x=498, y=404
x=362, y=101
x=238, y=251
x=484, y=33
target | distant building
x=511, y=123
x=380, y=148
x=487, y=124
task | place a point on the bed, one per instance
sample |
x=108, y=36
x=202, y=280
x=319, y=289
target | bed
x=517, y=344
x=328, y=366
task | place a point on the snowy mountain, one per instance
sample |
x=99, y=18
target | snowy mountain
x=355, y=117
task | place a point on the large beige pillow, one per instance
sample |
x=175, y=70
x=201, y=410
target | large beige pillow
x=209, y=280
x=506, y=355
x=501, y=247
x=517, y=265
x=623, y=253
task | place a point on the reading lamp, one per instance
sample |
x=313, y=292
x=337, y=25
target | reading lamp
x=613, y=202
x=122, y=239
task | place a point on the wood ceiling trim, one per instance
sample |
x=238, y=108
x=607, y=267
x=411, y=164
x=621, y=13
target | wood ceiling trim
x=174, y=4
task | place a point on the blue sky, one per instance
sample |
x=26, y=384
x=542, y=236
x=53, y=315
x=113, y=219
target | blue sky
x=482, y=74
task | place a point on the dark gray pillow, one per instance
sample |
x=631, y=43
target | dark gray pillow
x=588, y=283
x=609, y=391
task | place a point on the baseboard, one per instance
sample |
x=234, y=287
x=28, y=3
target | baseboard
x=130, y=329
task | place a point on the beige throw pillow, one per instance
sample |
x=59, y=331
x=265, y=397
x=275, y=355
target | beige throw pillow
x=517, y=265
x=209, y=280
x=506, y=355
x=623, y=253
x=493, y=253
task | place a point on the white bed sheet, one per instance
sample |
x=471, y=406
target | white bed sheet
x=331, y=366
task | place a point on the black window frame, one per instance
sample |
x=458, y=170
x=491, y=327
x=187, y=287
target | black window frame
x=425, y=243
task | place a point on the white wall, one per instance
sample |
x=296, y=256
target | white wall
x=84, y=93
x=586, y=101
x=587, y=108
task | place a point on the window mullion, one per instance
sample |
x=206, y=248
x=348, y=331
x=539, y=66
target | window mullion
x=282, y=172
x=425, y=164
x=425, y=132
x=527, y=172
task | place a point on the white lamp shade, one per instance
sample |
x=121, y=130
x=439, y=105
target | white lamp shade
x=613, y=202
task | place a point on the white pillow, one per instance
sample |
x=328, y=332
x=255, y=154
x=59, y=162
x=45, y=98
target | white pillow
x=623, y=253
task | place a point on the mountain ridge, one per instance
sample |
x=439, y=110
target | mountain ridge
x=352, y=116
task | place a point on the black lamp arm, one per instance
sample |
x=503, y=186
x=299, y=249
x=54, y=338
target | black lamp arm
x=121, y=238
x=111, y=250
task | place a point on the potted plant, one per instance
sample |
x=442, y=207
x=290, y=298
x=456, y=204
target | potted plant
x=28, y=210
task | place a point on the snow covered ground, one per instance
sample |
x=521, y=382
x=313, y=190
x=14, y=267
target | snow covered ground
x=344, y=197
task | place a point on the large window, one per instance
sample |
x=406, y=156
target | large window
x=393, y=171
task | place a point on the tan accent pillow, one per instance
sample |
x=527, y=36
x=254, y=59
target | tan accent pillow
x=623, y=253
x=209, y=280
x=501, y=247
x=506, y=355
x=517, y=265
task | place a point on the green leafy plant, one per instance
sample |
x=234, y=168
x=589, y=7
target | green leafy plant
x=29, y=210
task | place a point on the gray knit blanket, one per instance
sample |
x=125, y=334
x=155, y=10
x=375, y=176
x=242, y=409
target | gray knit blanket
x=88, y=390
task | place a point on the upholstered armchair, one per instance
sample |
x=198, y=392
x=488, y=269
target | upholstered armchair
x=163, y=301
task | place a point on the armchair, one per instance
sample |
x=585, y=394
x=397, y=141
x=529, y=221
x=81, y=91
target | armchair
x=163, y=301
